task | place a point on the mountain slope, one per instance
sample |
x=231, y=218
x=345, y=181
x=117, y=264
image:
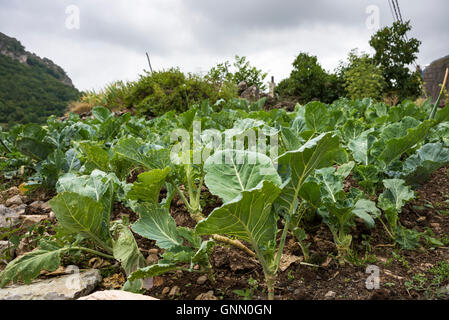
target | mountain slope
x=31, y=88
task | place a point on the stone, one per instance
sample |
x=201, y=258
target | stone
x=153, y=251
x=251, y=94
x=330, y=295
x=242, y=86
x=16, y=200
x=31, y=220
x=8, y=217
x=166, y=290
x=19, y=209
x=174, y=291
x=206, y=296
x=152, y=259
x=46, y=206
x=11, y=192
x=435, y=225
x=52, y=215
x=37, y=205
x=287, y=260
x=158, y=281
x=67, y=287
x=201, y=280
x=116, y=295
x=147, y=283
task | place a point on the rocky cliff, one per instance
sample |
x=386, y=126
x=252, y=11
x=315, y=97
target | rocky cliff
x=433, y=77
x=12, y=48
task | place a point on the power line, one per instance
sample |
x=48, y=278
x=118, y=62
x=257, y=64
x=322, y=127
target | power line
x=399, y=10
x=395, y=11
x=391, y=10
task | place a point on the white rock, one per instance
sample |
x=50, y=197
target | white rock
x=201, y=280
x=206, y=296
x=174, y=291
x=68, y=287
x=116, y=295
x=16, y=200
x=19, y=209
x=330, y=295
x=8, y=217
x=152, y=259
x=37, y=205
x=46, y=206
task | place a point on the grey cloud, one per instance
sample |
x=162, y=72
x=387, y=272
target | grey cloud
x=193, y=34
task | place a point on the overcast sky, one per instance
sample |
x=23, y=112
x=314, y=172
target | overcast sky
x=196, y=34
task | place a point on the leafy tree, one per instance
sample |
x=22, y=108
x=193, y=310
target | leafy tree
x=240, y=70
x=363, y=79
x=394, y=53
x=308, y=81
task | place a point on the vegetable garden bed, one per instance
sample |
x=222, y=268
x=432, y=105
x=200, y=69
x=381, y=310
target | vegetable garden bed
x=341, y=187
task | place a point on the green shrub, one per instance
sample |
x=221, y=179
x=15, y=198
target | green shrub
x=170, y=90
x=308, y=81
x=224, y=74
x=363, y=79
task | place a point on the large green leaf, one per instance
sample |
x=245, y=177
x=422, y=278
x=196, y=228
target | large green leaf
x=442, y=115
x=429, y=158
x=31, y=142
x=301, y=163
x=316, y=116
x=367, y=211
x=79, y=214
x=148, y=185
x=34, y=148
x=96, y=157
x=398, y=129
x=28, y=267
x=396, y=193
x=98, y=185
x=247, y=217
x=155, y=223
x=395, y=147
x=231, y=172
x=126, y=251
x=361, y=145
x=331, y=184
x=101, y=113
x=153, y=271
x=154, y=157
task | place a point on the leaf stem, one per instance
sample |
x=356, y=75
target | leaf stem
x=387, y=230
x=183, y=197
x=281, y=245
x=235, y=243
x=437, y=103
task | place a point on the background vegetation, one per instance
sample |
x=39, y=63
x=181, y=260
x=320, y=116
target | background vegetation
x=31, y=93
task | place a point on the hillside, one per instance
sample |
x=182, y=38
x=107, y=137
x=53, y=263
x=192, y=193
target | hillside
x=31, y=88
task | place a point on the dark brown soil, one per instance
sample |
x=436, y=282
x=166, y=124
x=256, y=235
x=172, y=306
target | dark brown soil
x=233, y=268
x=325, y=277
